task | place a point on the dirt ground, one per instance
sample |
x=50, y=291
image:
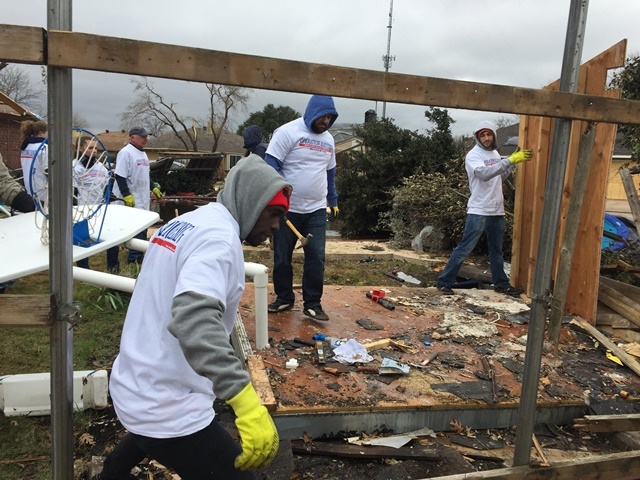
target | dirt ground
x=457, y=452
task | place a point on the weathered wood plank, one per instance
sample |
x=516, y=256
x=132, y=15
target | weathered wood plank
x=96, y=52
x=260, y=381
x=617, y=351
x=20, y=44
x=133, y=57
x=619, y=302
x=606, y=467
x=24, y=310
x=609, y=423
x=632, y=194
x=415, y=452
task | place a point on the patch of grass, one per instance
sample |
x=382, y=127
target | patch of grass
x=364, y=271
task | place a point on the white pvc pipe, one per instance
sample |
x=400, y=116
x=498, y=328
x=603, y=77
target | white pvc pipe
x=260, y=275
x=137, y=244
x=107, y=280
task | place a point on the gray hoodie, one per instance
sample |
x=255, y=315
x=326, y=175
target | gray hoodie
x=248, y=190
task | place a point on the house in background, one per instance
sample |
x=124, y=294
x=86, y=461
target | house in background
x=230, y=146
x=113, y=141
x=12, y=114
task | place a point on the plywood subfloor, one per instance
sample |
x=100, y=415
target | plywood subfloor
x=451, y=325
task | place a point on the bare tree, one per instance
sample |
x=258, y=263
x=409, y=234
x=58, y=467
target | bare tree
x=158, y=114
x=223, y=100
x=16, y=84
x=507, y=120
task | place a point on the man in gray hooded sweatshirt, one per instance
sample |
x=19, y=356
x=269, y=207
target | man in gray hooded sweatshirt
x=175, y=357
x=485, y=209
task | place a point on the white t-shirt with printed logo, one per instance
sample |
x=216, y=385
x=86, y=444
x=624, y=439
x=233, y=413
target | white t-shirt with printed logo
x=155, y=391
x=306, y=156
x=133, y=164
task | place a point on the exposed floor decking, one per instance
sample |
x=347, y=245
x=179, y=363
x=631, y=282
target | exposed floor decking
x=460, y=336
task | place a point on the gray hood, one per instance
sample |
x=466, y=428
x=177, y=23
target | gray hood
x=491, y=126
x=248, y=188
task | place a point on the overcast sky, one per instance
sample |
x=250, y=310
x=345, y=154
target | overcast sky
x=505, y=42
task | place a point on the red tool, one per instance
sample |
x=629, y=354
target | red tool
x=378, y=299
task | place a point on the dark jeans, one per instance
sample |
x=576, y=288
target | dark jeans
x=475, y=225
x=135, y=256
x=207, y=454
x=284, y=243
x=84, y=263
x=113, y=263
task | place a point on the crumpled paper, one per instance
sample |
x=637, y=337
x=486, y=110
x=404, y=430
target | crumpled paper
x=351, y=352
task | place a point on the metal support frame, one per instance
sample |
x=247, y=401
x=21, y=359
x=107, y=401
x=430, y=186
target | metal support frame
x=60, y=252
x=548, y=233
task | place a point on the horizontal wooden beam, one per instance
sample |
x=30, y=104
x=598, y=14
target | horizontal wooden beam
x=605, y=467
x=609, y=423
x=22, y=44
x=24, y=310
x=134, y=57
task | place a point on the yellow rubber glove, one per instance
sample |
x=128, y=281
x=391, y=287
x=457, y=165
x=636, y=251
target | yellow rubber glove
x=335, y=211
x=129, y=201
x=520, y=156
x=156, y=191
x=258, y=435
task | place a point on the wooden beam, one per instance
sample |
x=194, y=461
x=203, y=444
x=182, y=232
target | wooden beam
x=134, y=57
x=331, y=449
x=260, y=381
x=606, y=467
x=619, y=302
x=617, y=351
x=22, y=44
x=609, y=423
x=632, y=194
x=24, y=310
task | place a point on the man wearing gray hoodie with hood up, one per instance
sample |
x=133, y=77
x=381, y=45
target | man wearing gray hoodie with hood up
x=175, y=357
x=485, y=209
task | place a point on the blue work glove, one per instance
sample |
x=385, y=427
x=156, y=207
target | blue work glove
x=258, y=435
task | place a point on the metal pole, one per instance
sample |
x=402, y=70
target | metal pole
x=386, y=59
x=548, y=232
x=60, y=252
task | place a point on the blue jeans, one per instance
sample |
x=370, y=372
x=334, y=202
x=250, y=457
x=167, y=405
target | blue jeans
x=475, y=225
x=284, y=242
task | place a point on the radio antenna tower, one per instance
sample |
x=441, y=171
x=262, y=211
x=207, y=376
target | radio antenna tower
x=387, y=59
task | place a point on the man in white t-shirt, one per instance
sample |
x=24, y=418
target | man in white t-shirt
x=303, y=152
x=175, y=358
x=132, y=185
x=485, y=209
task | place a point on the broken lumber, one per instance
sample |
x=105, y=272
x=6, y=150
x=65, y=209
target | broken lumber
x=609, y=423
x=333, y=449
x=384, y=343
x=617, y=351
x=261, y=382
x=605, y=467
x=619, y=302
